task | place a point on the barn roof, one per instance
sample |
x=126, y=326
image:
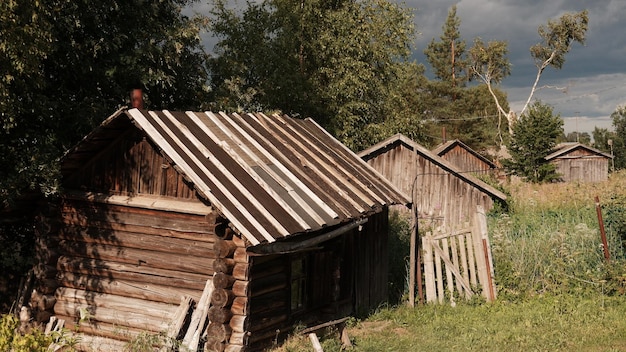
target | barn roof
x=444, y=148
x=564, y=149
x=270, y=176
x=400, y=139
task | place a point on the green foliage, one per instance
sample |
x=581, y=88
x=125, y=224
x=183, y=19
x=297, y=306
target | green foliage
x=547, y=323
x=69, y=64
x=557, y=38
x=447, y=57
x=144, y=342
x=615, y=216
x=467, y=113
x=399, y=244
x=534, y=137
x=488, y=62
x=601, y=137
x=11, y=340
x=583, y=138
x=326, y=60
x=619, y=140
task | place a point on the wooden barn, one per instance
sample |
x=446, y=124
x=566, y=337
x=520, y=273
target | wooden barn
x=578, y=162
x=441, y=192
x=265, y=222
x=464, y=158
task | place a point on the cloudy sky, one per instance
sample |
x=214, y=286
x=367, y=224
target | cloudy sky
x=593, y=80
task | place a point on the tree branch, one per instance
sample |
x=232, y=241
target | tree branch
x=539, y=72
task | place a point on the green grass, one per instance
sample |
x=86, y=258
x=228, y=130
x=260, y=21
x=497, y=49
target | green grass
x=556, y=292
x=544, y=323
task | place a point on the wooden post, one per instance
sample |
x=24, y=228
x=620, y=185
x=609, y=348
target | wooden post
x=429, y=269
x=605, y=244
x=316, y=343
x=412, y=259
x=486, y=263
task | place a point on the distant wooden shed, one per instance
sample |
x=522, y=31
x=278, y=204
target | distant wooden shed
x=579, y=162
x=277, y=220
x=464, y=158
x=441, y=192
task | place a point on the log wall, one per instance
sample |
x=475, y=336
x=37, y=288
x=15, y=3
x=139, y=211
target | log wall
x=128, y=267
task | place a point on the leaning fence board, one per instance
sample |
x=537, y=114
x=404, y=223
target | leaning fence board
x=198, y=318
x=465, y=256
x=177, y=323
x=429, y=269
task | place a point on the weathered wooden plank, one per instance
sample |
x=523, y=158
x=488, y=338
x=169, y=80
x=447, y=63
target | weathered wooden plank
x=134, y=319
x=205, y=236
x=176, y=325
x=170, y=220
x=158, y=293
x=110, y=270
x=169, y=261
x=105, y=300
x=198, y=318
x=136, y=240
x=100, y=344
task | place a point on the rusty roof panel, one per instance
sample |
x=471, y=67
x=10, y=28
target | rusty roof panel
x=271, y=176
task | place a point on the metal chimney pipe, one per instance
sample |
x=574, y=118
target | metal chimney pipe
x=136, y=98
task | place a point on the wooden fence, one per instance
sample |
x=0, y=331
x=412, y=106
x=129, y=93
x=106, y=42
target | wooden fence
x=458, y=263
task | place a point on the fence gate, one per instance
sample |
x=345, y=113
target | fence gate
x=465, y=256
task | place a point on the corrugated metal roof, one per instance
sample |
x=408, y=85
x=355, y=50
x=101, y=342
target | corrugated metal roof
x=271, y=176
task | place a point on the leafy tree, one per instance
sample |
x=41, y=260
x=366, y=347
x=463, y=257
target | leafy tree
x=467, y=113
x=619, y=140
x=601, y=137
x=69, y=64
x=534, y=138
x=488, y=63
x=340, y=62
x=580, y=137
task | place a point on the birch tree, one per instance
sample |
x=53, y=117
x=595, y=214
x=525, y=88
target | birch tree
x=488, y=62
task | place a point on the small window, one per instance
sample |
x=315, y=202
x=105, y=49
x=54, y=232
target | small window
x=298, y=284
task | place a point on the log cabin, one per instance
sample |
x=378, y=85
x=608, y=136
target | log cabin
x=465, y=158
x=285, y=224
x=443, y=195
x=579, y=162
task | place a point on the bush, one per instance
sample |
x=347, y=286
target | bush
x=399, y=246
x=11, y=340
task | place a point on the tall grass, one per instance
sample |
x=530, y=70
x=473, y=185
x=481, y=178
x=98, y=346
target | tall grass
x=550, y=240
x=556, y=290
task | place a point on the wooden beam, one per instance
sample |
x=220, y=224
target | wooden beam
x=295, y=246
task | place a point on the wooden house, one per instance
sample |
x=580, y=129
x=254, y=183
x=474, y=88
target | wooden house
x=578, y=162
x=464, y=158
x=277, y=220
x=441, y=192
